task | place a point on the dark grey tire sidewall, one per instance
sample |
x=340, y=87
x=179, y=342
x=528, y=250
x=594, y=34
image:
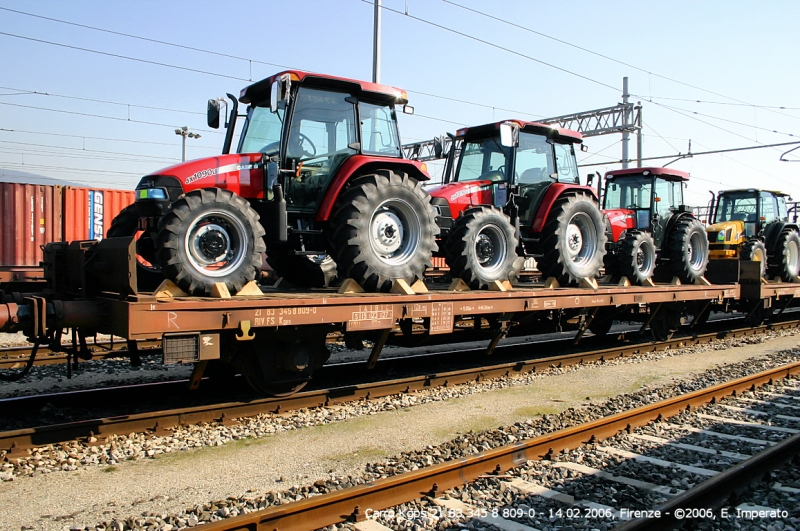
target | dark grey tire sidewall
x=567, y=270
x=188, y=277
x=681, y=259
x=461, y=252
x=354, y=250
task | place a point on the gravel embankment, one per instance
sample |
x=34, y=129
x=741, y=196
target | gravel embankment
x=674, y=369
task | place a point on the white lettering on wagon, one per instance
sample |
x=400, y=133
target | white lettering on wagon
x=171, y=318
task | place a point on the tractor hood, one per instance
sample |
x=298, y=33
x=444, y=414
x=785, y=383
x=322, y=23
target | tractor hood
x=462, y=195
x=241, y=173
x=621, y=220
x=726, y=232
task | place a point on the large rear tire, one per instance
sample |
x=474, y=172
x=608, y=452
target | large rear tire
x=637, y=257
x=573, y=240
x=687, y=249
x=785, y=261
x=148, y=269
x=384, y=228
x=210, y=236
x=755, y=251
x=481, y=248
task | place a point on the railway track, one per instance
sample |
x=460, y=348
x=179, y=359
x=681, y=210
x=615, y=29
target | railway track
x=98, y=430
x=15, y=357
x=681, y=475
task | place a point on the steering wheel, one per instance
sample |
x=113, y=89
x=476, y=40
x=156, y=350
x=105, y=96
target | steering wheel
x=303, y=139
x=271, y=149
x=632, y=207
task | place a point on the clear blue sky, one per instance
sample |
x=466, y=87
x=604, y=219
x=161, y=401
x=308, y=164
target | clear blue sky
x=738, y=58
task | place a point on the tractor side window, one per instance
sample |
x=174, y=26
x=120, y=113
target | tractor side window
x=628, y=193
x=262, y=131
x=566, y=163
x=483, y=160
x=378, y=130
x=783, y=214
x=666, y=197
x=769, y=211
x=533, y=167
x=323, y=127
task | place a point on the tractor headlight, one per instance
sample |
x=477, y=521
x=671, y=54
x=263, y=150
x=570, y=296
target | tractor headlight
x=151, y=193
x=721, y=236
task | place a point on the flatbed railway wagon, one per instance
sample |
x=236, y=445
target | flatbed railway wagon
x=277, y=339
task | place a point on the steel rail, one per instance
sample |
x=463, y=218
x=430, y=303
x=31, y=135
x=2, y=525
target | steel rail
x=353, y=503
x=13, y=356
x=17, y=441
x=714, y=492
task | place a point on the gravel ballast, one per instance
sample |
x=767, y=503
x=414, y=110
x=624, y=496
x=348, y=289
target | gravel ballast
x=342, y=441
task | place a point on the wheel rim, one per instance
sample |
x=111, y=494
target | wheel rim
x=581, y=239
x=792, y=256
x=644, y=258
x=694, y=250
x=490, y=248
x=394, y=231
x=215, y=243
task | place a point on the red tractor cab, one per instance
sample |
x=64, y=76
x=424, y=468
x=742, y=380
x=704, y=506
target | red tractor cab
x=650, y=226
x=318, y=182
x=512, y=191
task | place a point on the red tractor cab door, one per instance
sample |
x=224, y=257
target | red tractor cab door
x=628, y=203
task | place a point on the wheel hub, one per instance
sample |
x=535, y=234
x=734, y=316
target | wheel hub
x=212, y=243
x=574, y=240
x=387, y=232
x=484, y=249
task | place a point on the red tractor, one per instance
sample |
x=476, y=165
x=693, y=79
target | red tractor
x=651, y=227
x=514, y=193
x=318, y=177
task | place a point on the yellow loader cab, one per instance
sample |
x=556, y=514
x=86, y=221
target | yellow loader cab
x=753, y=225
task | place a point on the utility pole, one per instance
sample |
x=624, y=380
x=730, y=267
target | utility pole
x=183, y=132
x=376, y=45
x=626, y=122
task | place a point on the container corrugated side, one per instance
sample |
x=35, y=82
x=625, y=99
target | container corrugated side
x=31, y=217
x=88, y=212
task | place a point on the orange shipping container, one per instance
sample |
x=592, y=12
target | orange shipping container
x=88, y=212
x=31, y=217
x=35, y=214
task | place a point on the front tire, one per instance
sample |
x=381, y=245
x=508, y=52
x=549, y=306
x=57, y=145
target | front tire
x=637, y=257
x=687, y=248
x=384, y=228
x=209, y=236
x=785, y=263
x=574, y=239
x=481, y=248
x=755, y=251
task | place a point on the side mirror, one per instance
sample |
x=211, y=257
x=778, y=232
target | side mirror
x=279, y=93
x=212, y=114
x=408, y=109
x=589, y=179
x=509, y=134
x=584, y=148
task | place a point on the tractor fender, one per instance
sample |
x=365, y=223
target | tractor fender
x=362, y=165
x=554, y=191
x=773, y=231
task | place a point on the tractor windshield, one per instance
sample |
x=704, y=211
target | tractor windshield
x=739, y=206
x=484, y=159
x=262, y=131
x=630, y=193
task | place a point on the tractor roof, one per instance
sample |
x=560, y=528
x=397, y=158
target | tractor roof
x=754, y=191
x=667, y=174
x=259, y=92
x=559, y=134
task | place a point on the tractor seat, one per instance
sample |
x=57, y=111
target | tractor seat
x=533, y=175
